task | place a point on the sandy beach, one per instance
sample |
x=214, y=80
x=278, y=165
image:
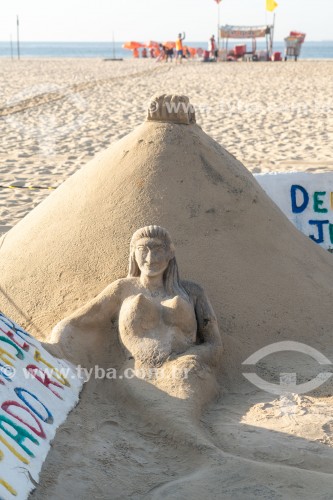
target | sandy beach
x=267, y=282
x=57, y=114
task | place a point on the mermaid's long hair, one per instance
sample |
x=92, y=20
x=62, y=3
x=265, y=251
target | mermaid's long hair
x=171, y=280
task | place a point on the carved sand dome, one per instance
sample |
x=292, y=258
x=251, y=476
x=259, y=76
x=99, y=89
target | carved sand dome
x=171, y=108
x=261, y=274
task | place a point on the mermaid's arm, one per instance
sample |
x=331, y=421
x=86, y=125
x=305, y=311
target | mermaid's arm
x=209, y=344
x=94, y=315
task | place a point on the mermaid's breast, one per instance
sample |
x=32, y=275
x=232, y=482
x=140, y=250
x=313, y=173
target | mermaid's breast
x=139, y=312
x=180, y=313
x=150, y=330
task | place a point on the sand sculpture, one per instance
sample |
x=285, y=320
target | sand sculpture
x=230, y=237
x=167, y=328
x=267, y=282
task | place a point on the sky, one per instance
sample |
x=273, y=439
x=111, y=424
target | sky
x=87, y=20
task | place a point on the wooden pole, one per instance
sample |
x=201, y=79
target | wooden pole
x=113, y=49
x=218, y=27
x=18, y=36
x=272, y=35
x=11, y=48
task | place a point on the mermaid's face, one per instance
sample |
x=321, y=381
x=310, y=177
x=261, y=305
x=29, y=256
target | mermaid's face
x=152, y=256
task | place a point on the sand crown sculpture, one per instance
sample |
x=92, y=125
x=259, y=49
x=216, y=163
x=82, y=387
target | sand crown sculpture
x=258, y=271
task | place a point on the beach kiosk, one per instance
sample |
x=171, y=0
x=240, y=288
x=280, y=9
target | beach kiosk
x=228, y=32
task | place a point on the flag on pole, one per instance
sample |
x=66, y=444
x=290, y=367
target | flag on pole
x=271, y=5
x=218, y=1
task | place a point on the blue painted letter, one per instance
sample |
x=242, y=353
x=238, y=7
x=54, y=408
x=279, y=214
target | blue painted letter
x=297, y=209
x=320, y=224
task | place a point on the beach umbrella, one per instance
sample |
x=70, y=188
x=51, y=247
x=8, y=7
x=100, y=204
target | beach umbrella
x=191, y=50
x=169, y=45
x=151, y=44
x=132, y=45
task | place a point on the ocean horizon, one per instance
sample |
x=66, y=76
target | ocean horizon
x=310, y=50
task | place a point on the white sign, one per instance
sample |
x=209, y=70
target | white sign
x=306, y=199
x=37, y=391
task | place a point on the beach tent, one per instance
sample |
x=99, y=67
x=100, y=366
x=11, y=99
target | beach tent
x=248, y=32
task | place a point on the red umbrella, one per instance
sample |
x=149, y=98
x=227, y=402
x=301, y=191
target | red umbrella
x=170, y=45
x=132, y=45
x=151, y=44
x=191, y=50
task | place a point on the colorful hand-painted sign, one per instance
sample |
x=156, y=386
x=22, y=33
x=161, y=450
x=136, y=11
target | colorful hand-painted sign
x=37, y=391
x=306, y=199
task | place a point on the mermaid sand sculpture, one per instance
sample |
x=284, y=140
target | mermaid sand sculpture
x=168, y=332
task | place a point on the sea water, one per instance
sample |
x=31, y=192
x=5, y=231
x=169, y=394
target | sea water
x=310, y=50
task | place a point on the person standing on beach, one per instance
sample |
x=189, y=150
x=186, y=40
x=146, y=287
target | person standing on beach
x=212, y=46
x=179, y=47
x=161, y=55
x=168, y=54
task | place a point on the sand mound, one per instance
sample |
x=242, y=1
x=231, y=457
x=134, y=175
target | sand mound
x=266, y=281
